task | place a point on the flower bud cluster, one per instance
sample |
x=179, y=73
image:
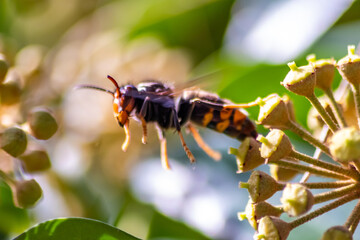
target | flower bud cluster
x=19, y=135
x=337, y=137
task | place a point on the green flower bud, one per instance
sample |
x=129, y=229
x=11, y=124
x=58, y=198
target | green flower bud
x=35, y=161
x=261, y=186
x=300, y=80
x=274, y=112
x=337, y=233
x=272, y=228
x=42, y=124
x=296, y=199
x=26, y=193
x=247, y=155
x=324, y=71
x=349, y=66
x=13, y=141
x=275, y=146
x=4, y=66
x=282, y=174
x=10, y=93
x=255, y=211
x=345, y=145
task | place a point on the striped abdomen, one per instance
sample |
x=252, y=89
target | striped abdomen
x=212, y=114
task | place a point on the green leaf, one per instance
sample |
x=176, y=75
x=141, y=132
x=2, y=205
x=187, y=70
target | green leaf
x=162, y=227
x=243, y=84
x=12, y=219
x=197, y=27
x=74, y=229
x=4, y=16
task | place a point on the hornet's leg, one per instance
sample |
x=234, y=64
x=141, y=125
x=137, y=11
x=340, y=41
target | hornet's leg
x=183, y=143
x=186, y=149
x=127, y=136
x=144, y=128
x=200, y=142
x=219, y=106
x=164, y=157
x=141, y=115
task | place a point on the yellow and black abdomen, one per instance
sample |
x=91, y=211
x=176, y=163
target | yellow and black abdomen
x=210, y=112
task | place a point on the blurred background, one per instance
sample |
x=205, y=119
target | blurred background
x=53, y=45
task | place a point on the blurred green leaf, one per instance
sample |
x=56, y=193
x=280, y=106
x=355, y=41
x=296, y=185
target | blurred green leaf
x=74, y=228
x=29, y=7
x=162, y=227
x=241, y=82
x=197, y=27
x=12, y=219
x=246, y=83
x=351, y=14
x=4, y=17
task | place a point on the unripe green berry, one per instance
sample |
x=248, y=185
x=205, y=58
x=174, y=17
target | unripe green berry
x=272, y=228
x=345, y=145
x=300, y=80
x=348, y=106
x=26, y=193
x=42, y=124
x=324, y=71
x=337, y=233
x=261, y=186
x=275, y=146
x=255, y=211
x=296, y=199
x=247, y=155
x=4, y=66
x=35, y=161
x=349, y=66
x=282, y=174
x=13, y=141
x=10, y=93
x=274, y=112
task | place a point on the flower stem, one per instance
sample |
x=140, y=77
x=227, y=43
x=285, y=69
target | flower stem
x=322, y=185
x=353, y=219
x=324, y=209
x=356, y=91
x=338, y=113
x=323, y=135
x=354, y=225
x=323, y=164
x=6, y=177
x=324, y=115
x=339, y=192
x=296, y=128
x=310, y=169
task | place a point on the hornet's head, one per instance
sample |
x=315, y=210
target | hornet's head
x=123, y=102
